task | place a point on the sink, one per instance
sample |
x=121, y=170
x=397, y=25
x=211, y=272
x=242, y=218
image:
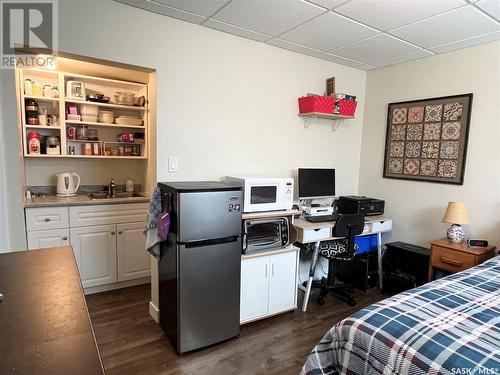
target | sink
x=104, y=195
x=128, y=195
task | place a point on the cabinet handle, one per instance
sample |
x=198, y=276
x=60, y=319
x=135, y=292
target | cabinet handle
x=46, y=219
x=120, y=232
x=113, y=233
x=452, y=262
x=65, y=238
x=266, y=271
x=272, y=269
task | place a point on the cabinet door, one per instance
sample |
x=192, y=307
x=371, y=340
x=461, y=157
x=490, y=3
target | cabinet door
x=283, y=282
x=133, y=259
x=254, y=287
x=95, y=253
x=40, y=239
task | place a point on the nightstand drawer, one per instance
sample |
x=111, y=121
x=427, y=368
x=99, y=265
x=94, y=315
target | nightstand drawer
x=451, y=260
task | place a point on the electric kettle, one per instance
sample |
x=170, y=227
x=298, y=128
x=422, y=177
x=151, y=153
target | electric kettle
x=66, y=184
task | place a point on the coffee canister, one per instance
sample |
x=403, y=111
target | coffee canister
x=34, y=143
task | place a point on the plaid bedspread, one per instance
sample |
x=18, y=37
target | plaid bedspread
x=449, y=326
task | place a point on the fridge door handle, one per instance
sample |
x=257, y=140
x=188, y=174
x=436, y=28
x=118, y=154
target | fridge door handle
x=210, y=242
x=266, y=271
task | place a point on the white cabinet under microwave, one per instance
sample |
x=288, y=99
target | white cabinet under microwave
x=265, y=194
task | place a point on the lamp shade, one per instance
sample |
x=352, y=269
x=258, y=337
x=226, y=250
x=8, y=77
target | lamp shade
x=456, y=213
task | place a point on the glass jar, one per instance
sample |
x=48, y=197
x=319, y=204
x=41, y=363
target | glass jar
x=82, y=132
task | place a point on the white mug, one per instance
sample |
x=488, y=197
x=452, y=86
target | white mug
x=42, y=119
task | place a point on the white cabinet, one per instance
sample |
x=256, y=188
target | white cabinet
x=107, y=240
x=254, y=287
x=40, y=239
x=95, y=253
x=283, y=281
x=268, y=285
x=133, y=259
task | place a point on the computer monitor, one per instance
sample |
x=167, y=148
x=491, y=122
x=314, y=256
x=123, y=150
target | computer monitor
x=316, y=183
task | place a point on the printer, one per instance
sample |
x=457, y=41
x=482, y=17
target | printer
x=351, y=204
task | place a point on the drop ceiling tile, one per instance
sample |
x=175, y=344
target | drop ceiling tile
x=328, y=31
x=203, y=7
x=236, y=30
x=376, y=48
x=402, y=58
x=492, y=7
x=458, y=24
x=329, y=4
x=388, y=14
x=295, y=47
x=271, y=17
x=485, y=38
x=340, y=60
x=165, y=10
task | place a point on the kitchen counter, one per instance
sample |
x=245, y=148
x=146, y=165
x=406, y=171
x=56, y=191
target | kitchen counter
x=45, y=327
x=80, y=200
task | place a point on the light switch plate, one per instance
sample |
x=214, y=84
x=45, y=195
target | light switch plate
x=173, y=164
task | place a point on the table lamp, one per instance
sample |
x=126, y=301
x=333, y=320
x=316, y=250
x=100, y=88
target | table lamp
x=456, y=214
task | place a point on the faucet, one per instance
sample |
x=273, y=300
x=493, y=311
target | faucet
x=112, y=189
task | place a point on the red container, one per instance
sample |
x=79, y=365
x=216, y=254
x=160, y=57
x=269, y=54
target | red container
x=321, y=104
x=347, y=107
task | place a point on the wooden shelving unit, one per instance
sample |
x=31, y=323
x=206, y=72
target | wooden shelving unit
x=336, y=118
x=107, y=133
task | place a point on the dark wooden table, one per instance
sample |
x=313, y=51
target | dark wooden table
x=44, y=323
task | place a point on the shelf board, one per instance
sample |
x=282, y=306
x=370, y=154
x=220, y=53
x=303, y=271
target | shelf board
x=101, y=80
x=43, y=127
x=103, y=124
x=42, y=156
x=41, y=98
x=104, y=157
x=84, y=156
x=107, y=105
x=330, y=116
x=82, y=141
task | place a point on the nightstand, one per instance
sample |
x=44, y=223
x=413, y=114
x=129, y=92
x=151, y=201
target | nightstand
x=455, y=257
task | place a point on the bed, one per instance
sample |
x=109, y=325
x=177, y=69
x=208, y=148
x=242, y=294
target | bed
x=448, y=326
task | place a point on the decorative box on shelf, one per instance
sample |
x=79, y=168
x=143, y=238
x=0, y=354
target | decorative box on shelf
x=343, y=105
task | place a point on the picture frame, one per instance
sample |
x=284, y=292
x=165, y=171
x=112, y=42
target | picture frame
x=426, y=139
x=330, y=86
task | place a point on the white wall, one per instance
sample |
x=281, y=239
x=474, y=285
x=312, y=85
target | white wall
x=226, y=105
x=417, y=207
x=12, y=234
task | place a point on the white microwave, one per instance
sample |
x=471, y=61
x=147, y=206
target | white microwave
x=265, y=194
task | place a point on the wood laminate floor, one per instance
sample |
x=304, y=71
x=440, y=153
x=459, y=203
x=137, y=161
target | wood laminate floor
x=131, y=342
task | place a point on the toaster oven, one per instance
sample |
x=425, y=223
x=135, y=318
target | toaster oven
x=265, y=234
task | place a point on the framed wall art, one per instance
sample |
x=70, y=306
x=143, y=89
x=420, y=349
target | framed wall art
x=426, y=140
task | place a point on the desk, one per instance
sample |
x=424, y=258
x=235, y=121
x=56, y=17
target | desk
x=45, y=327
x=316, y=232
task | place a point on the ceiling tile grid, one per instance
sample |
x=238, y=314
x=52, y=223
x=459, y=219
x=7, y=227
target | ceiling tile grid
x=365, y=34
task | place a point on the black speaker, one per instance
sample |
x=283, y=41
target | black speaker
x=405, y=266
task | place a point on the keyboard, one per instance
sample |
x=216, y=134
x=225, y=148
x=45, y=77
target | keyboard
x=322, y=218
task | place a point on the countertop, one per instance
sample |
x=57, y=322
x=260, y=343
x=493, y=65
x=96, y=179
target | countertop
x=45, y=327
x=80, y=200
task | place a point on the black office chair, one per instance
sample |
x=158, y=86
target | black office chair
x=341, y=250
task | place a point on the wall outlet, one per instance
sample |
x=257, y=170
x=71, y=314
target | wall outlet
x=173, y=164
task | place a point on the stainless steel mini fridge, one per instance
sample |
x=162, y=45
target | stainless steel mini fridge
x=199, y=271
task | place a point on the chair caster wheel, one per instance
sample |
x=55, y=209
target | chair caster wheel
x=321, y=301
x=351, y=302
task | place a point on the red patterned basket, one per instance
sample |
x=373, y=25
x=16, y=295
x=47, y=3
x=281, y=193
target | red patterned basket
x=321, y=104
x=347, y=107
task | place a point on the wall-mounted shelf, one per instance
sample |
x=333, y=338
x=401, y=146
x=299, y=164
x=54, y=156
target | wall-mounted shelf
x=337, y=119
